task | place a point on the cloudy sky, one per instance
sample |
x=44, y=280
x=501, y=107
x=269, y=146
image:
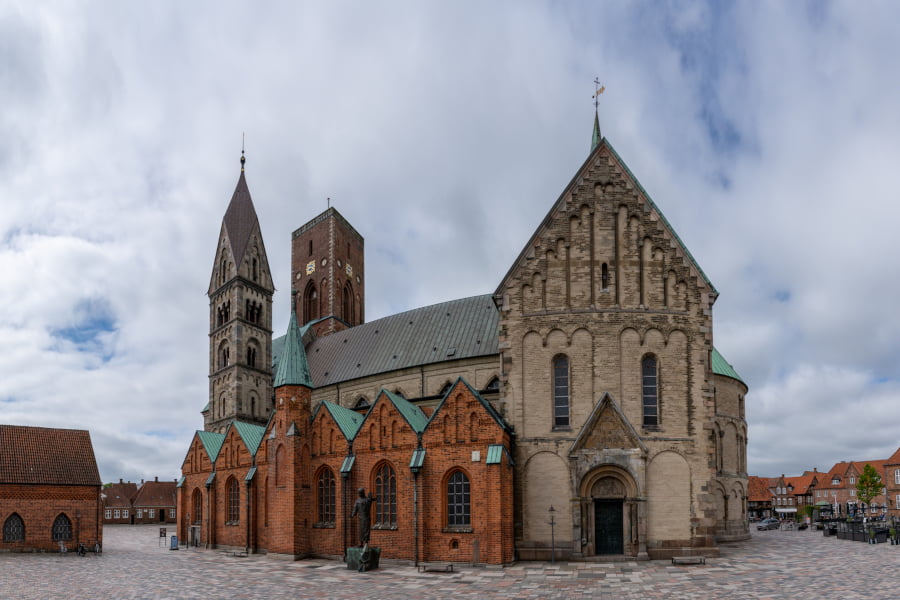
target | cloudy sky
x=768, y=133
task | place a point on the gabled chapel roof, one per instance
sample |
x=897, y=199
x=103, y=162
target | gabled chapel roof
x=41, y=455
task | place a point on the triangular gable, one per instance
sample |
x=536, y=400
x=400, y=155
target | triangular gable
x=607, y=427
x=212, y=443
x=413, y=415
x=251, y=435
x=603, y=151
x=348, y=421
x=487, y=405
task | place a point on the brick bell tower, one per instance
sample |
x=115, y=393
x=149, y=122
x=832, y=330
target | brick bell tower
x=328, y=271
x=240, y=319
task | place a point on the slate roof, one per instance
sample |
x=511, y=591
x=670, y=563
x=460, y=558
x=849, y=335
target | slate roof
x=720, y=366
x=41, y=455
x=153, y=494
x=457, y=329
x=240, y=219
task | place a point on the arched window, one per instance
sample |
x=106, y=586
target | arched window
x=447, y=387
x=14, y=529
x=348, y=304
x=361, y=403
x=251, y=357
x=310, y=303
x=604, y=277
x=492, y=386
x=224, y=355
x=197, y=503
x=650, y=391
x=386, y=493
x=232, y=501
x=62, y=529
x=326, y=497
x=459, y=505
x=253, y=269
x=561, y=391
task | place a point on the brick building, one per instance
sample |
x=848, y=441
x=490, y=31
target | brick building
x=49, y=489
x=117, y=499
x=154, y=502
x=586, y=382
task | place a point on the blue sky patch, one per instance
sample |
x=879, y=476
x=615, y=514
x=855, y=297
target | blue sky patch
x=94, y=321
x=782, y=296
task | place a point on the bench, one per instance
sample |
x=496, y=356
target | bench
x=235, y=553
x=688, y=560
x=446, y=567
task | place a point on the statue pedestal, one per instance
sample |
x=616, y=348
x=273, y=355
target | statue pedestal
x=358, y=560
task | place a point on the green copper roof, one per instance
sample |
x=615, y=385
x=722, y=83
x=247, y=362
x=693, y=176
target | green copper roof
x=210, y=479
x=418, y=458
x=348, y=420
x=720, y=366
x=347, y=465
x=413, y=414
x=181, y=481
x=212, y=443
x=251, y=434
x=250, y=474
x=292, y=366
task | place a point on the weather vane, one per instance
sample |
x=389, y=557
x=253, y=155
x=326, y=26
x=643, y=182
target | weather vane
x=243, y=160
x=598, y=89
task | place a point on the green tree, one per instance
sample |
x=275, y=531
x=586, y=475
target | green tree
x=868, y=485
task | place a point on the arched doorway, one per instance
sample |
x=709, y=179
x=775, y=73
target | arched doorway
x=610, y=512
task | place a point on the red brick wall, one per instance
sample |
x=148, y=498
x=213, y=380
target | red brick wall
x=284, y=510
x=39, y=505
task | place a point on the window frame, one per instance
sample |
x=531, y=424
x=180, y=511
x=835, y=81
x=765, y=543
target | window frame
x=14, y=530
x=385, y=486
x=458, y=501
x=326, y=498
x=561, y=386
x=232, y=501
x=61, y=530
x=650, y=413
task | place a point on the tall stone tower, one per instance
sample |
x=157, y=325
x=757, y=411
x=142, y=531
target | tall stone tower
x=240, y=319
x=328, y=271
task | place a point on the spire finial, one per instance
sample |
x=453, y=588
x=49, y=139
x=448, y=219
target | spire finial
x=243, y=160
x=596, y=137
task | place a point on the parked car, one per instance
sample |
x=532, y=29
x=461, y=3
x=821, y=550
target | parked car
x=769, y=523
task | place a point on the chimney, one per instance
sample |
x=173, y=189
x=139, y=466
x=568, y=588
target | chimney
x=156, y=479
x=120, y=480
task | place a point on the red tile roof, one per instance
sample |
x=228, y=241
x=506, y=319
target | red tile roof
x=155, y=494
x=120, y=494
x=40, y=455
x=758, y=489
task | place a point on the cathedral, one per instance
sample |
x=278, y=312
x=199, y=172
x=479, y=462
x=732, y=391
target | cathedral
x=578, y=410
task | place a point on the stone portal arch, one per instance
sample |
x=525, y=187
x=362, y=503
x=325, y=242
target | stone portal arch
x=611, y=513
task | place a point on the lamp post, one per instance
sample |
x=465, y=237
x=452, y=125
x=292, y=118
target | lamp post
x=552, y=524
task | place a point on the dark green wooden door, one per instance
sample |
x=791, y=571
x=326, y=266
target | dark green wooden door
x=608, y=537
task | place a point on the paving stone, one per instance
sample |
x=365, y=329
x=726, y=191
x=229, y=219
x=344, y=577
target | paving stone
x=771, y=565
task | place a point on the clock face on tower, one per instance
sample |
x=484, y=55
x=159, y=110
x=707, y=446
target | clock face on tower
x=311, y=267
x=349, y=270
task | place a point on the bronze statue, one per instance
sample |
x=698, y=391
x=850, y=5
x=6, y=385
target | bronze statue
x=362, y=507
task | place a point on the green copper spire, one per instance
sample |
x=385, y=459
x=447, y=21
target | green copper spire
x=595, y=141
x=292, y=366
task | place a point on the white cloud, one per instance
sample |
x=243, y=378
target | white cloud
x=766, y=132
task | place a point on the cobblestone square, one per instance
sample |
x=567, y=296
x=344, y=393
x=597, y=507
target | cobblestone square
x=773, y=564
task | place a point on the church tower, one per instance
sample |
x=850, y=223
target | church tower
x=328, y=271
x=240, y=319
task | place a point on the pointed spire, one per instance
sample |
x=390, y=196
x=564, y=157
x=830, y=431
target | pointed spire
x=240, y=217
x=598, y=89
x=293, y=369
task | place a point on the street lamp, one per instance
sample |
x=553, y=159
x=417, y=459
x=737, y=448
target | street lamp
x=552, y=524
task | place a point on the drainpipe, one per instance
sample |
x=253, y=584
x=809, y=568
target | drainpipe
x=247, y=534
